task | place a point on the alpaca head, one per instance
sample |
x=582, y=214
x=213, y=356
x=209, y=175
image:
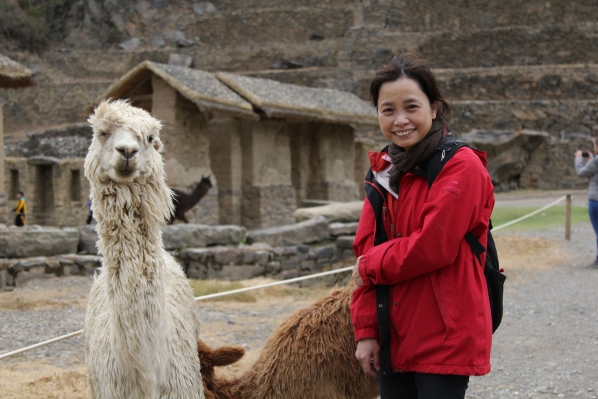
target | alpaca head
x=206, y=181
x=126, y=145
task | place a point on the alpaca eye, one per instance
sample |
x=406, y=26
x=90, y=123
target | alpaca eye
x=151, y=139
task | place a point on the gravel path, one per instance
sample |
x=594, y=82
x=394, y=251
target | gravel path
x=547, y=346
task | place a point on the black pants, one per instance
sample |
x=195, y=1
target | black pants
x=423, y=386
x=20, y=220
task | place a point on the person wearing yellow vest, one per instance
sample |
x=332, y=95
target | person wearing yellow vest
x=21, y=209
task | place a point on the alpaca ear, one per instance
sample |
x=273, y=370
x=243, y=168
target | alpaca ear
x=227, y=355
x=158, y=145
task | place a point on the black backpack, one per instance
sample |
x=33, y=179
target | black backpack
x=494, y=278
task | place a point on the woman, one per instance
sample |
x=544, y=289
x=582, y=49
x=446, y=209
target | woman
x=440, y=320
x=586, y=165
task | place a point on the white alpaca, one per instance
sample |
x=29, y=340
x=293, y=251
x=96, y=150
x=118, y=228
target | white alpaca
x=141, y=327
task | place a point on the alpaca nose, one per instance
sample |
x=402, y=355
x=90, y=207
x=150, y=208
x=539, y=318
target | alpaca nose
x=127, y=150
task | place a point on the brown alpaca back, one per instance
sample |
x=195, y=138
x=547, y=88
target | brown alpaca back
x=311, y=355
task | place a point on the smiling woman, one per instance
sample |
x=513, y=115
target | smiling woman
x=420, y=314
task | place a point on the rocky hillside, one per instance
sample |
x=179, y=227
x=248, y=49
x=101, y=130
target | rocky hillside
x=507, y=64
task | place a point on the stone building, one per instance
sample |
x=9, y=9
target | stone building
x=12, y=75
x=267, y=145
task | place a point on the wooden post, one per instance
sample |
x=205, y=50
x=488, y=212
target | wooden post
x=568, y=218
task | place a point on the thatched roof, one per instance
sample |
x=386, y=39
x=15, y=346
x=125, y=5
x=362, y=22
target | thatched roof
x=240, y=95
x=13, y=74
x=283, y=100
x=199, y=87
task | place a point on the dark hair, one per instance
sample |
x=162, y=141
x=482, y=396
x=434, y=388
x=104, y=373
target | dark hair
x=411, y=66
x=22, y=193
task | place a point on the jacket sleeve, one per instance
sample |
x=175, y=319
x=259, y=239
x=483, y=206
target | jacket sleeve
x=453, y=207
x=363, y=305
x=587, y=170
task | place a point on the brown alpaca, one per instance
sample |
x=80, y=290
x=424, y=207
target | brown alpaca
x=311, y=355
x=183, y=201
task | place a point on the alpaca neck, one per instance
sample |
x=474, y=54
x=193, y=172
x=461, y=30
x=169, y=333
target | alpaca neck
x=133, y=266
x=198, y=193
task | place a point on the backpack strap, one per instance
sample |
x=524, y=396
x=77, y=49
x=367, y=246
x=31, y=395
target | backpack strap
x=441, y=156
x=374, y=192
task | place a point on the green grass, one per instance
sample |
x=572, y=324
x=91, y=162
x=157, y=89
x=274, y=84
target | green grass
x=553, y=216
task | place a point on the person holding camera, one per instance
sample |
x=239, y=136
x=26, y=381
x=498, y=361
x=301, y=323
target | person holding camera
x=586, y=165
x=436, y=329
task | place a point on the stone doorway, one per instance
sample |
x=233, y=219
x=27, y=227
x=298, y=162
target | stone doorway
x=43, y=195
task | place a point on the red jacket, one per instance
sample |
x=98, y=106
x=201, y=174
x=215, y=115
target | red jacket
x=440, y=315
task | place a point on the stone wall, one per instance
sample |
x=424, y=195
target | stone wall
x=3, y=197
x=268, y=194
x=56, y=190
x=225, y=158
x=203, y=251
x=187, y=148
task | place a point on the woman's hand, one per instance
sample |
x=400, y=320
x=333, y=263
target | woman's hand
x=355, y=274
x=368, y=355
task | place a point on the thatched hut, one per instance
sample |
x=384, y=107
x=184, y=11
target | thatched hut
x=12, y=75
x=268, y=145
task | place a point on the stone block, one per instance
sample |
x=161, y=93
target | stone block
x=2, y=279
x=263, y=257
x=289, y=251
x=30, y=264
x=229, y=256
x=273, y=267
x=242, y=272
x=346, y=254
x=345, y=212
x=24, y=242
x=290, y=264
x=193, y=271
x=249, y=257
x=225, y=235
x=307, y=265
x=53, y=266
x=303, y=249
x=345, y=242
x=342, y=229
x=288, y=274
x=326, y=252
x=180, y=236
x=88, y=239
x=197, y=254
x=88, y=264
x=309, y=231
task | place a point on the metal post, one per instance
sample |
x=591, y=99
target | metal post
x=568, y=218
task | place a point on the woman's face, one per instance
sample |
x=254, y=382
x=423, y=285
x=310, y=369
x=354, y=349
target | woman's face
x=404, y=112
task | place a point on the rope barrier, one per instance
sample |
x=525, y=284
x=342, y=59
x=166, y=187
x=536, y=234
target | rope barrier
x=199, y=298
x=289, y=281
x=529, y=214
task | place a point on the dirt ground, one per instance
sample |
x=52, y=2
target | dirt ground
x=547, y=346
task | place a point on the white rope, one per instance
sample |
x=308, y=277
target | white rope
x=199, y=298
x=256, y=287
x=48, y=342
x=529, y=214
